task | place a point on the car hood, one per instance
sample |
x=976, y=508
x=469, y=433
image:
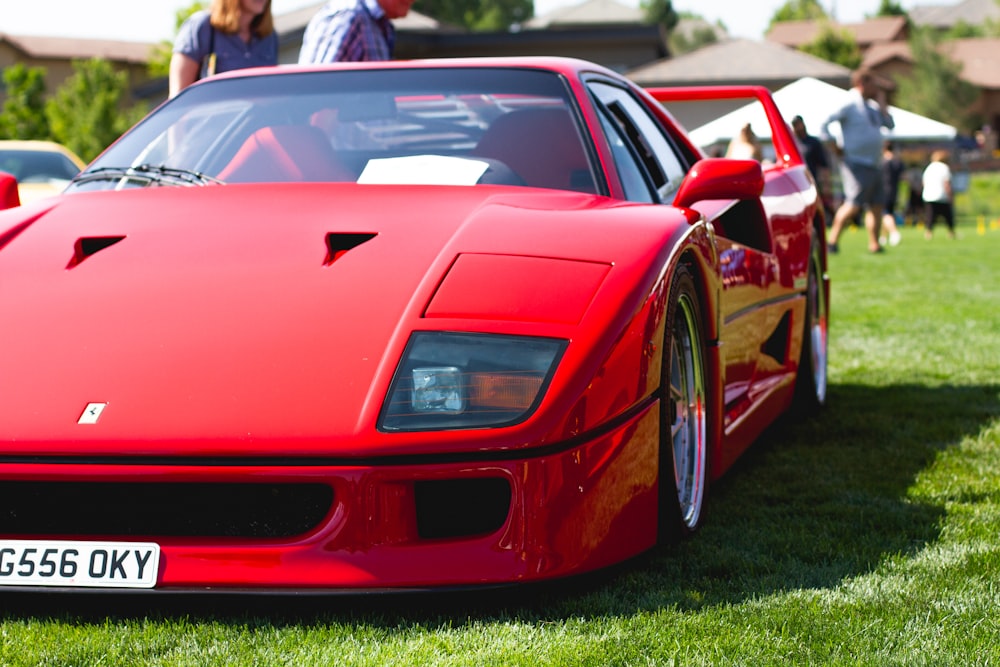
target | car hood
x=222, y=320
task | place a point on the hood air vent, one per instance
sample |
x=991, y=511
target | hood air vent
x=337, y=245
x=87, y=246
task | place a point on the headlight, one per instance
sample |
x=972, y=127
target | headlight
x=464, y=380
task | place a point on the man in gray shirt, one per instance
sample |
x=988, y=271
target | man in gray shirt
x=861, y=121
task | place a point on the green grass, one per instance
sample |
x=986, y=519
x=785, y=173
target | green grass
x=868, y=536
x=982, y=200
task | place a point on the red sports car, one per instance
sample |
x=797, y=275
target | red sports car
x=395, y=326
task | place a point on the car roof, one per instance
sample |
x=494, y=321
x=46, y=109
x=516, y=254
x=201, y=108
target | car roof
x=558, y=64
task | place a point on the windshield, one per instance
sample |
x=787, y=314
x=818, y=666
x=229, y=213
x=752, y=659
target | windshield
x=460, y=126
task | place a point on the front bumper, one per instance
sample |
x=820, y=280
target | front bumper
x=397, y=525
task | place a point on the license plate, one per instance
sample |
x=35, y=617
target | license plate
x=77, y=563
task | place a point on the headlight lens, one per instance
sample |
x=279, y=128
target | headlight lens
x=464, y=380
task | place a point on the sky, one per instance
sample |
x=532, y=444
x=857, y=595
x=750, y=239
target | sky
x=153, y=20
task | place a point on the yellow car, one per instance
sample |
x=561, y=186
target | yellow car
x=42, y=168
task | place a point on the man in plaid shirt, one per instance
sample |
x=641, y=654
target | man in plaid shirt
x=352, y=30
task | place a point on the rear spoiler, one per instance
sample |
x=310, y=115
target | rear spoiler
x=786, y=151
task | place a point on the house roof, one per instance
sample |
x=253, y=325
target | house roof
x=980, y=58
x=72, y=48
x=589, y=12
x=866, y=33
x=973, y=12
x=738, y=61
x=883, y=52
x=793, y=33
x=881, y=29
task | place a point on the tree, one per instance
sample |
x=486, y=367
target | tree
x=23, y=114
x=962, y=30
x=837, y=46
x=798, y=10
x=697, y=33
x=890, y=8
x=935, y=88
x=479, y=15
x=681, y=42
x=159, y=61
x=86, y=113
x=660, y=12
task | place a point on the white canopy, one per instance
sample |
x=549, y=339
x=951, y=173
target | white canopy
x=814, y=100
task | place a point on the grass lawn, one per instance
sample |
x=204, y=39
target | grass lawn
x=869, y=536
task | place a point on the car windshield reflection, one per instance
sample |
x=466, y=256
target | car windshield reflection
x=431, y=126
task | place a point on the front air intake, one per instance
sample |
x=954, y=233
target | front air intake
x=129, y=509
x=457, y=508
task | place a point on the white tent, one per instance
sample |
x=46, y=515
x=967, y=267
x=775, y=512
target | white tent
x=814, y=100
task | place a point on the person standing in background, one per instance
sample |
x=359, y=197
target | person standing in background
x=745, y=145
x=232, y=34
x=892, y=173
x=814, y=153
x=915, y=202
x=861, y=121
x=938, y=194
x=352, y=30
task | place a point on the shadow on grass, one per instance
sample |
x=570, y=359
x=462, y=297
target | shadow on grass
x=810, y=504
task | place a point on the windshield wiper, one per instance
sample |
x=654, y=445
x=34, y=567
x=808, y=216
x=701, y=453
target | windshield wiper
x=148, y=173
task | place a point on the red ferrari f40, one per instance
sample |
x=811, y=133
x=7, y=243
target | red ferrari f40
x=397, y=325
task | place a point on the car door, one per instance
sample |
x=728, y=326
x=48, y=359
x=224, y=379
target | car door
x=753, y=338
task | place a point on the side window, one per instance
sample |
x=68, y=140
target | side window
x=631, y=173
x=652, y=148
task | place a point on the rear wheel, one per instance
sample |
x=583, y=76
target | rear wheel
x=810, y=382
x=683, y=430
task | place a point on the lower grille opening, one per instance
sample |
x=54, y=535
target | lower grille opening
x=461, y=507
x=162, y=509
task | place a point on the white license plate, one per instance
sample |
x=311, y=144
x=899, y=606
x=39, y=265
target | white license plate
x=77, y=563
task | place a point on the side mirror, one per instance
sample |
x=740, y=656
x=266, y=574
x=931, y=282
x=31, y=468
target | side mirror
x=8, y=191
x=720, y=178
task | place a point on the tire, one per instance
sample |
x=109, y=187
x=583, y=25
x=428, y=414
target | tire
x=811, y=378
x=683, y=420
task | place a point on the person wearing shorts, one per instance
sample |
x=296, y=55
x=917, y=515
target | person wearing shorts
x=861, y=120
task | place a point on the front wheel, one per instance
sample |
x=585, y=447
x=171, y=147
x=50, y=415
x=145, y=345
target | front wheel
x=683, y=429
